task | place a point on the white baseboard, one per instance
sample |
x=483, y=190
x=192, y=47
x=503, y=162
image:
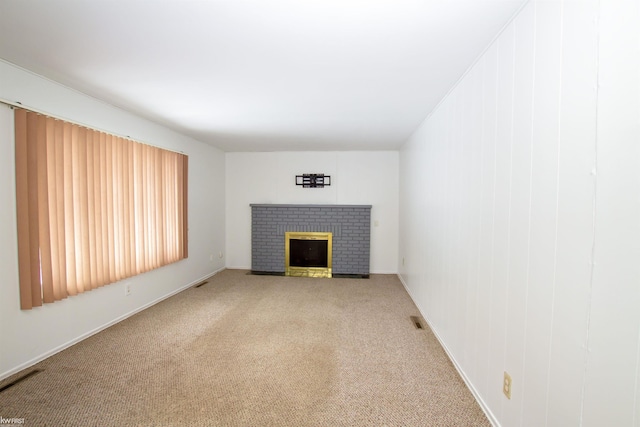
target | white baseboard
x=492, y=419
x=103, y=327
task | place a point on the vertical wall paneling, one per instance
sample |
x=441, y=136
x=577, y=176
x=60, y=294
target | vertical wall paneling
x=473, y=152
x=519, y=233
x=490, y=109
x=434, y=201
x=521, y=217
x=444, y=236
x=576, y=191
x=610, y=382
x=544, y=190
x=501, y=208
x=476, y=236
x=457, y=259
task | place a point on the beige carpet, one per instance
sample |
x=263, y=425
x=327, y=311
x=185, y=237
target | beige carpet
x=246, y=350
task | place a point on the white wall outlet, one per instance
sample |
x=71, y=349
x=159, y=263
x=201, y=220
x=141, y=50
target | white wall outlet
x=211, y=257
x=506, y=385
x=127, y=289
x=221, y=255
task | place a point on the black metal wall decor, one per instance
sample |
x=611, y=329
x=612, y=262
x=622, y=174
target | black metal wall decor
x=313, y=180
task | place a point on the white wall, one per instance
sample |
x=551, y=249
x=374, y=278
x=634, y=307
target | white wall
x=357, y=178
x=28, y=336
x=520, y=217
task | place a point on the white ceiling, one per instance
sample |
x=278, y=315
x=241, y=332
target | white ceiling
x=251, y=75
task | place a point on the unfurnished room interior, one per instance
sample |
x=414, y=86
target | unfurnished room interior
x=320, y=213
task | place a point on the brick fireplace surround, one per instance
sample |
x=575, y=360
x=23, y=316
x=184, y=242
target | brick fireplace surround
x=350, y=225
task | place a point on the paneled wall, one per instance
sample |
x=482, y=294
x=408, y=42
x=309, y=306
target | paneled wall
x=520, y=217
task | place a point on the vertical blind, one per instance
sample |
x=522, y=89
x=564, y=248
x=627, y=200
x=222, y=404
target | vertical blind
x=93, y=208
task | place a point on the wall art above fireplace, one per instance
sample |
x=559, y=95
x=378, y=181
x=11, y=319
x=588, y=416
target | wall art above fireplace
x=313, y=180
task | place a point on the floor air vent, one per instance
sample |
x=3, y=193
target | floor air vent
x=19, y=380
x=417, y=322
x=201, y=284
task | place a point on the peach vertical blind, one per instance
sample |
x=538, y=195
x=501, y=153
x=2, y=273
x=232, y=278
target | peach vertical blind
x=92, y=208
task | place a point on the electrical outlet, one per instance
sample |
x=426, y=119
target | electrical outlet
x=506, y=385
x=221, y=254
x=211, y=257
x=127, y=289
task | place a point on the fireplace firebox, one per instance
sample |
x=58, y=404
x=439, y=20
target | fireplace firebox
x=308, y=254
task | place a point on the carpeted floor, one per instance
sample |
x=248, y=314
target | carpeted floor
x=247, y=350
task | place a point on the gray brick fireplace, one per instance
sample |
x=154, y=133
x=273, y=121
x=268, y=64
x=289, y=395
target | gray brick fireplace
x=350, y=225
